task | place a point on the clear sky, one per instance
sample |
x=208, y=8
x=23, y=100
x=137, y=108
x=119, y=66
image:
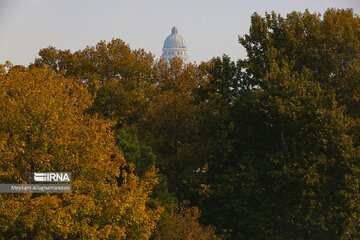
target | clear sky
x=209, y=27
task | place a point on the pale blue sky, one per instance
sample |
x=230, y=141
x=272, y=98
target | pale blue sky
x=209, y=27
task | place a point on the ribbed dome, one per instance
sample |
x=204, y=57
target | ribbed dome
x=174, y=40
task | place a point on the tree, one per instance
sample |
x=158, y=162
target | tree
x=144, y=161
x=43, y=128
x=283, y=156
x=116, y=75
x=168, y=125
x=180, y=222
x=327, y=46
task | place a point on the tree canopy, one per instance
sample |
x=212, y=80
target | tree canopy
x=44, y=129
x=265, y=147
x=284, y=160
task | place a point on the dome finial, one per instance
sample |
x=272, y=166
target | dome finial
x=174, y=30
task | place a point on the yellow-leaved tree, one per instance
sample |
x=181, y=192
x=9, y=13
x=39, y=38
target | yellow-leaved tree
x=43, y=128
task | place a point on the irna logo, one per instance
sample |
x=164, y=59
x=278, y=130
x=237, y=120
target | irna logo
x=52, y=177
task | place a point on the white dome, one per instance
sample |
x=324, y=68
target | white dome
x=174, y=46
x=174, y=40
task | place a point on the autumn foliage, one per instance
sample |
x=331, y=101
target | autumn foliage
x=266, y=147
x=180, y=222
x=44, y=128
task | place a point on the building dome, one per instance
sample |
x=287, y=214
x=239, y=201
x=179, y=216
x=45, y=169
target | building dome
x=174, y=40
x=174, y=46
